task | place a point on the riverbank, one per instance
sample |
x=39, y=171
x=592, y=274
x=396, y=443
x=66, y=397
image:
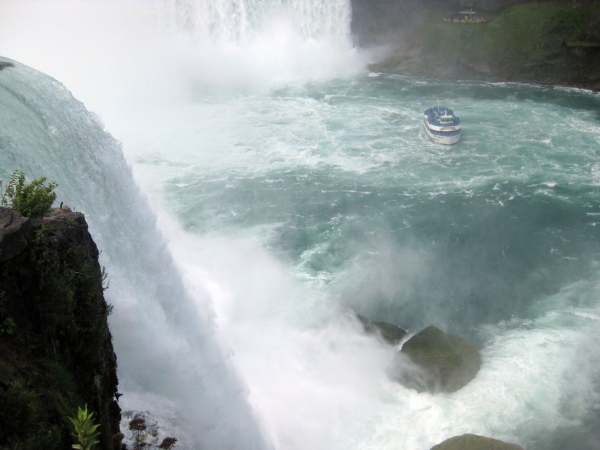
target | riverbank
x=549, y=43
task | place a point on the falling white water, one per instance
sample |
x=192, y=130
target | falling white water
x=171, y=359
x=165, y=340
x=260, y=41
x=229, y=21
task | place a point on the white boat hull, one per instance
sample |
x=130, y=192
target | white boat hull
x=446, y=140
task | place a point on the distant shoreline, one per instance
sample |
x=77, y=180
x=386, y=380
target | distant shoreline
x=548, y=43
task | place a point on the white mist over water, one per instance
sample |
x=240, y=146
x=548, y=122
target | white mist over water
x=120, y=55
x=213, y=101
x=130, y=72
x=166, y=343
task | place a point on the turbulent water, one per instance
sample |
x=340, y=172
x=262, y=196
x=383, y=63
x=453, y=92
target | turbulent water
x=290, y=199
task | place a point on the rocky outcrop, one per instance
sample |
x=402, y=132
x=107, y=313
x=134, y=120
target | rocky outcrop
x=435, y=361
x=389, y=332
x=16, y=232
x=56, y=351
x=474, y=442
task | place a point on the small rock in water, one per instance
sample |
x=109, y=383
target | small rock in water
x=434, y=361
x=474, y=442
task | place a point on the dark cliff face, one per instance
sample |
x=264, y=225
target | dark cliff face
x=56, y=352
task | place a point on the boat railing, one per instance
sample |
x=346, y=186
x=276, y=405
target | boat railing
x=432, y=120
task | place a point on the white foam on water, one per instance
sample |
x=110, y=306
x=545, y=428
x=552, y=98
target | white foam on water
x=311, y=372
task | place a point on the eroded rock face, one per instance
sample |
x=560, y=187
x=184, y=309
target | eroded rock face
x=56, y=352
x=474, y=442
x=435, y=361
x=16, y=232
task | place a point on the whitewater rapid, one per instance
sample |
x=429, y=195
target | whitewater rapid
x=282, y=187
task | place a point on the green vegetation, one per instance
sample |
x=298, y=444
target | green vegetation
x=8, y=326
x=85, y=430
x=54, y=343
x=26, y=418
x=517, y=33
x=548, y=42
x=32, y=200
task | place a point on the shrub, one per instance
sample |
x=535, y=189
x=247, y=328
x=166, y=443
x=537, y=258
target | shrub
x=8, y=326
x=85, y=430
x=32, y=200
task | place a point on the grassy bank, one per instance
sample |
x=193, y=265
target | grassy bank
x=545, y=42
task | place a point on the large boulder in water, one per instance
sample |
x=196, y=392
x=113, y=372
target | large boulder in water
x=433, y=361
x=474, y=442
x=389, y=332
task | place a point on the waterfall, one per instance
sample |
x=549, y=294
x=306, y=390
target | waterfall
x=170, y=352
x=165, y=339
x=241, y=42
x=238, y=20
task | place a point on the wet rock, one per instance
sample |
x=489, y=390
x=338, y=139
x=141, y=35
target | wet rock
x=474, y=442
x=435, y=361
x=16, y=232
x=60, y=345
x=388, y=331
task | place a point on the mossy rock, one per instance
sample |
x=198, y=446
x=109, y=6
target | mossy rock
x=474, y=442
x=58, y=356
x=443, y=362
x=389, y=332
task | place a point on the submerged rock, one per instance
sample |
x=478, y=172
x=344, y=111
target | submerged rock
x=474, y=442
x=433, y=361
x=388, y=331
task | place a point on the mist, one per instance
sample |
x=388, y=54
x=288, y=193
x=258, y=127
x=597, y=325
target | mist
x=284, y=188
x=130, y=66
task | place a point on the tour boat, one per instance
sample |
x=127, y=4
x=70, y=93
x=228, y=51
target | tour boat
x=441, y=125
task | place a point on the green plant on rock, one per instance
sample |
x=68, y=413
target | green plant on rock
x=32, y=200
x=85, y=430
x=8, y=326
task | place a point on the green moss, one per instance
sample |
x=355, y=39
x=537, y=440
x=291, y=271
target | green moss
x=70, y=302
x=516, y=33
x=474, y=442
x=584, y=44
x=48, y=364
x=524, y=36
x=27, y=420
